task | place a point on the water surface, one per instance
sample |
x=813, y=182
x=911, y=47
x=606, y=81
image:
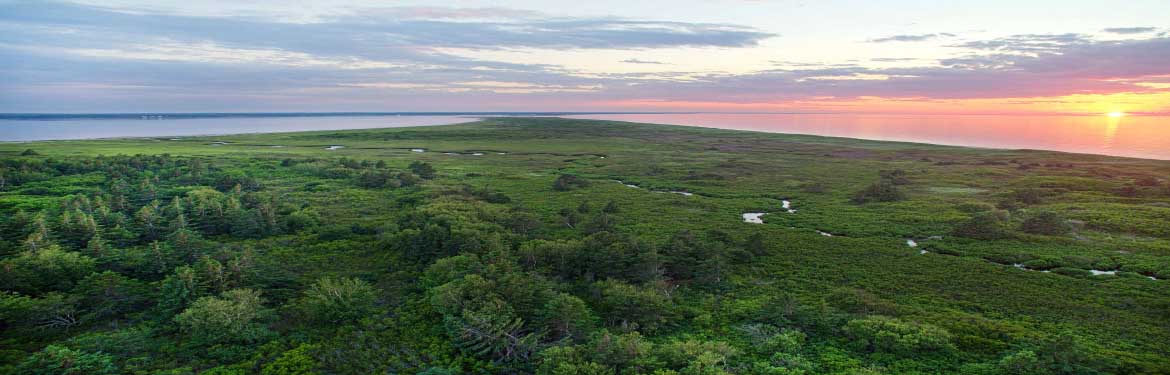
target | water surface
x=43, y=129
x=1134, y=136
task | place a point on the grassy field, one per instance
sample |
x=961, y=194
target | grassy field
x=1025, y=261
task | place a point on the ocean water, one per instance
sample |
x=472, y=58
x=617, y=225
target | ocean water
x=61, y=127
x=1132, y=136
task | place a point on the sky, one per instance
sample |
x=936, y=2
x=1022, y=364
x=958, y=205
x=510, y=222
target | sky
x=893, y=56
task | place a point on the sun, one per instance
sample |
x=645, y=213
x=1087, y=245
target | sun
x=1115, y=114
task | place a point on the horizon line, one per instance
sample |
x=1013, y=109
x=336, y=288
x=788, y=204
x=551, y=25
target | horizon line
x=181, y=115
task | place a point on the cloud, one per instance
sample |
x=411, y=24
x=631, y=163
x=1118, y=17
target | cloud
x=1077, y=67
x=53, y=55
x=1130, y=30
x=893, y=59
x=910, y=38
x=1029, y=43
x=637, y=61
x=61, y=57
x=441, y=13
x=379, y=31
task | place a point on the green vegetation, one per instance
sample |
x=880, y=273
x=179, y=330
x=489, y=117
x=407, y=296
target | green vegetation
x=508, y=246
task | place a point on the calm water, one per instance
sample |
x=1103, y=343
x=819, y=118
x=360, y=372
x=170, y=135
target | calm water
x=1135, y=136
x=91, y=128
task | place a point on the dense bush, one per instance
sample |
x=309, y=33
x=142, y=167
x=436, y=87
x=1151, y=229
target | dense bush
x=566, y=182
x=889, y=335
x=983, y=225
x=330, y=302
x=881, y=191
x=1047, y=223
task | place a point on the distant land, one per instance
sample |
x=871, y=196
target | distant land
x=197, y=115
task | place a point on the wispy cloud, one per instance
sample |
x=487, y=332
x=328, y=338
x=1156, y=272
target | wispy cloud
x=894, y=59
x=1130, y=30
x=1029, y=43
x=910, y=37
x=637, y=61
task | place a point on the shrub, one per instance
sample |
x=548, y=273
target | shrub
x=896, y=177
x=338, y=301
x=982, y=226
x=881, y=191
x=566, y=182
x=1146, y=181
x=237, y=315
x=297, y=361
x=891, y=335
x=424, y=170
x=1046, y=223
x=57, y=360
x=631, y=307
x=973, y=207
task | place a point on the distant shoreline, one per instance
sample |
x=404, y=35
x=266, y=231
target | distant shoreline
x=1136, y=137
x=34, y=116
x=201, y=115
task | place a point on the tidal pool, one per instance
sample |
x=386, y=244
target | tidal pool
x=628, y=185
x=754, y=217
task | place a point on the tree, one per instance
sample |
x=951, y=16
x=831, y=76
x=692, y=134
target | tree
x=109, y=294
x=178, y=291
x=150, y=221
x=29, y=152
x=96, y=246
x=500, y=337
x=332, y=301
x=51, y=311
x=631, y=307
x=58, y=360
x=38, y=237
x=237, y=315
x=566, y=317
x=48, y=269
